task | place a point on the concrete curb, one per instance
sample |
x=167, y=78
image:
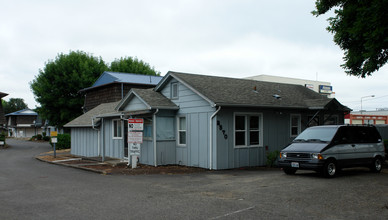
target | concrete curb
x=74, y=166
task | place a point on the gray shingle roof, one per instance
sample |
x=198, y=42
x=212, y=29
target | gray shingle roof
x=155, y=99
x=85, y=120
x=224, y=91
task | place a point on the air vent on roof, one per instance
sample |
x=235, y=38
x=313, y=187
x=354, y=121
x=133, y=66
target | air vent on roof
x=255, y=89
x=276, y=96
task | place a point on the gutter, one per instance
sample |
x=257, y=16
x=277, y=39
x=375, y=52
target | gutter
x=211, y=137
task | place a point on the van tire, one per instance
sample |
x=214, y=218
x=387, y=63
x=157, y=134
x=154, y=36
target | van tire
x=289, y=171
x=376, y=165
x=330, y=169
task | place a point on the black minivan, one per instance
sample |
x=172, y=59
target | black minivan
x=329, y=148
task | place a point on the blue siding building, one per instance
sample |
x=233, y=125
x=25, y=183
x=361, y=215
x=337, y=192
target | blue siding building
x=213, y=122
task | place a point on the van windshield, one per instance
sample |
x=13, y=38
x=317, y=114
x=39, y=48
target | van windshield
x=317, y=134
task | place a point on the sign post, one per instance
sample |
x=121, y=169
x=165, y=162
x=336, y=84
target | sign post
x=135, y=138
x=54, y=140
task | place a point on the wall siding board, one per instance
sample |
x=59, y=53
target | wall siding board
x=166, y=152
x=135, y=104
x=197, y=112
x=113, y=147
x=84, y=142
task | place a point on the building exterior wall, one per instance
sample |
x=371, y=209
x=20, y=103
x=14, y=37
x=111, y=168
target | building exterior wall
x=84, y=142
x=276, y=134
x=367, y=119
x=24, y=132
x=113, y=147
x=197, y=112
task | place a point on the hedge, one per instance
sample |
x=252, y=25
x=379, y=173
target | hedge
x=63, y=142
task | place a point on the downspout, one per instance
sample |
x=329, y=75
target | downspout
x=122, y=118
x=103, y=142
x=211, y=137
x=98, y=137
x=154, y=135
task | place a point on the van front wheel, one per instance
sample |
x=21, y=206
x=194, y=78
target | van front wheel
x=330, y=169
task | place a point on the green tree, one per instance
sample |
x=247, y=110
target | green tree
x=57, y=85
x=13, y=105
x=132, y=65
x=360, y=28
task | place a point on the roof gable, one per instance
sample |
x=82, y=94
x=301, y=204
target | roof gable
x=149, y=98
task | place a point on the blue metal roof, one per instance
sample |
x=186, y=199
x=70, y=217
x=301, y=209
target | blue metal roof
x=112, y=77
x=23, y=112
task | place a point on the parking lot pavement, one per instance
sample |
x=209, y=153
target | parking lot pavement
x=31, y=189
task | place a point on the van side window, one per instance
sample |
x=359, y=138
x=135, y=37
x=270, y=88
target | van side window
x=342, y=136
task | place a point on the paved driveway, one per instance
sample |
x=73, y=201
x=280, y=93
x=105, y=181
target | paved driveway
x=30, y=189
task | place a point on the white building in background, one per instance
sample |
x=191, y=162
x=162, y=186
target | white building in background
x=318, y=86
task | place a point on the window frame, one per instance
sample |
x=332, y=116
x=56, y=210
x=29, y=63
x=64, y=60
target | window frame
x=174, y=84
x=247, y=116
x=178, y=128
x=149, y=125
x=114, y=127
x=299, y=124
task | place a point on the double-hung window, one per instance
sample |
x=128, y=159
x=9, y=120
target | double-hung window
x=117, y=129
x=295, y=125
x=182, y=131
x=248, y=130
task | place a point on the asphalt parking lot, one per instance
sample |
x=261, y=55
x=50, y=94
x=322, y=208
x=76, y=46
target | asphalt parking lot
x=31, y=189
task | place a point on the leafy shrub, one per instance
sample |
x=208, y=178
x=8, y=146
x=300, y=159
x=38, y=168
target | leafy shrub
x=46, y=138
x=39, y=137
x=63, y=142
x=272, y=158
x=44, y=134
x=2, y=136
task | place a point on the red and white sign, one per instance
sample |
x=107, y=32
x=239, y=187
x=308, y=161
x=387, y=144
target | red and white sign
x=135, y=137
x=135, y=124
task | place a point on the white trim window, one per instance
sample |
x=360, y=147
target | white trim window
x=182, y=131
x=174, y=90
x=117, y=129
x=295, y=125
x=248, y=129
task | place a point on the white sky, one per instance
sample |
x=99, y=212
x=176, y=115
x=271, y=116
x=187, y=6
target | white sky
x=233, y=38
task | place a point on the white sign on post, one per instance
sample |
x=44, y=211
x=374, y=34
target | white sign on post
x=135, y=138
x=135, y=124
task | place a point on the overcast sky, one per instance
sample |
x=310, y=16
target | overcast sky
x=233, y=38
